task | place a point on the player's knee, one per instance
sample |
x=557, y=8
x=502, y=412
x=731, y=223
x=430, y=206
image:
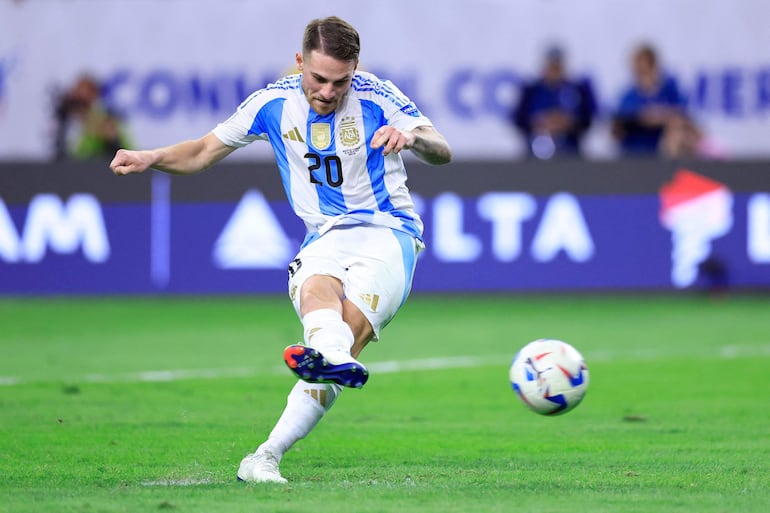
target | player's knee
x=319, y=291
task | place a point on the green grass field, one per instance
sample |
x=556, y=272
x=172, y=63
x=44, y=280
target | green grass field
x=128, y=405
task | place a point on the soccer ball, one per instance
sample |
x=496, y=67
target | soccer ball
x=549, y=376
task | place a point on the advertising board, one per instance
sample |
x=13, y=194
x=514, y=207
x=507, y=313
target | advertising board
x=629, y=225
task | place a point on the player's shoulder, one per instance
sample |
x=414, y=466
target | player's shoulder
x=287, y=83
x=284, y=88
x=364, y=79
x=371, y=86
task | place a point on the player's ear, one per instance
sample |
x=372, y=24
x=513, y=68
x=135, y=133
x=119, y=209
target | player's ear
x=298, y=58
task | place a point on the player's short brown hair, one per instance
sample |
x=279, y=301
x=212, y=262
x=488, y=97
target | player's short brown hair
x=332, y=36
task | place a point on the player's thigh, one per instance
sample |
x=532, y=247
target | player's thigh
x=375, y=265
x=319, y=258
x=379, y=271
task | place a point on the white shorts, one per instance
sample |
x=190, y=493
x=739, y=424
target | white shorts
x=374, y=263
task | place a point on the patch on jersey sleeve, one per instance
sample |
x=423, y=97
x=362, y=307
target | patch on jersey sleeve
x=410, y=109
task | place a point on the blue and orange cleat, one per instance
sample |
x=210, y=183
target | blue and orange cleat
x=311, y=366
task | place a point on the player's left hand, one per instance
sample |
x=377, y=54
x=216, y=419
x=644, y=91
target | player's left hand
x=392, y=140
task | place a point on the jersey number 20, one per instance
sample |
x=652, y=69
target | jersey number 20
x=331, y=163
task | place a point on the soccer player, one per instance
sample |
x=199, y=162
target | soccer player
x=337, y=134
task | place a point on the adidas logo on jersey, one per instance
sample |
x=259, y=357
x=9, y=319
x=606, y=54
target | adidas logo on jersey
x=294, y=135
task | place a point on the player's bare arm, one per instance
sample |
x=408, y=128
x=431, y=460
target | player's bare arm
x=425, y=141
x=184, y=158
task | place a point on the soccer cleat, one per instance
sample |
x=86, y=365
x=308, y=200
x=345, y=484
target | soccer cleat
x=260, y=467
x=311, y=366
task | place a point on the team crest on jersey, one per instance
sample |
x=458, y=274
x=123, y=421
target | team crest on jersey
x=349, y=135
x=321, y=135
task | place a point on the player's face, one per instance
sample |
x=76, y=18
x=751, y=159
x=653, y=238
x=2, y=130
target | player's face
x=325, y=80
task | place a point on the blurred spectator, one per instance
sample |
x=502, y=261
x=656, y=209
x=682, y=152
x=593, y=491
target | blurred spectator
x=648, y=107
x=84, y=127
x=682, y=139
x=554, y=112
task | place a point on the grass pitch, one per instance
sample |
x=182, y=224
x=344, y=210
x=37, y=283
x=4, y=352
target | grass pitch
x=123, y=405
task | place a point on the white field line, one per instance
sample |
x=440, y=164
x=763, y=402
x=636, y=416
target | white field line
x=177, y=482
x=395, y=366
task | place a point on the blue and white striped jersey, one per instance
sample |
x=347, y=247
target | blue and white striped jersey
x=329, y=171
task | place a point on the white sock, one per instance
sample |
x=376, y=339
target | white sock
x=326, y=331
x=305, y=406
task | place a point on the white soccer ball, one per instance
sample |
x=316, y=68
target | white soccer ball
x=549, y=376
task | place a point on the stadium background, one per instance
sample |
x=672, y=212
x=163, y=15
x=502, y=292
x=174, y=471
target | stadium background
x=142, y=318
x=495, y=222
x=176, y=67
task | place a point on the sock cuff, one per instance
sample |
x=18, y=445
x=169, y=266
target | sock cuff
x=325, y=330
x=322, y=315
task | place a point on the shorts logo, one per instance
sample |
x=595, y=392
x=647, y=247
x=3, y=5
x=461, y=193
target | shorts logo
x=349, y=135
x=294, y=266
x=371, y=300
x=321, y=135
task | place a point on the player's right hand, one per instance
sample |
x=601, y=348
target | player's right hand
x=130, y=161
